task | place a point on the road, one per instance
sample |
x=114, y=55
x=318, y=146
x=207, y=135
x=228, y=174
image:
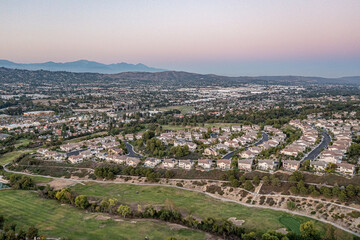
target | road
x=264, y=138
x=131, y=152
x=317, y=150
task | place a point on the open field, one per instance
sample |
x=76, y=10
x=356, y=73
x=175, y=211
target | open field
x=8, y=157
x=79, y=139
x=182, y=108
x=25, y=208
x=22, y=142
x=200, y=205
x=36, y=179
x=180, y=127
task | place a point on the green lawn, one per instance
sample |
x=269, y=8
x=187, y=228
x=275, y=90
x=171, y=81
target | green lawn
x=199, y=205
x=207, y=125
x=8, y=157
x=36, y=179
x=182, y=108
x=25, y=208
x=291, y=223
x=79, y=139
x=22, y=142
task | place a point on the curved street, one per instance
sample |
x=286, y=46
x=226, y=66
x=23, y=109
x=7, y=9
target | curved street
x=265, y=137
x=131, y=152
x=326, y=139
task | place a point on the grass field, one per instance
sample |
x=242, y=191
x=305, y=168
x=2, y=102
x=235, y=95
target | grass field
x=25, y=208
x=79, y=139
x=182, y=108
x=8, y=157
x=22, y=142
x=207, y=125
x=200, y=205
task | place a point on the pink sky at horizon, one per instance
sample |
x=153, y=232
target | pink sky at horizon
x=169, y=33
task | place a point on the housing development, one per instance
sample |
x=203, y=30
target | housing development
x=180, y=120
x=112, y=147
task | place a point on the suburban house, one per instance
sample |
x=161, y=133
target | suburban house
x=116, y=150
x=205, y=163
x=226, y=129
x=231, y=143
x=247, y=154
x=170, y=163
x=110, y=145
x=55, y=155
x=133, y=162
x=42, y=150
x=75, y=159
x=345, y=168
x=129, y=137
x=236, y=128
x=221, y=146
x=151, y=162
x=291, y=165
x=116, y=158
x=186, y=164
x=86, y=154
x=210, y=151
x=319, y=165
x=267, y=164
x=70, y=147
x=224, y=164
x=245, y=164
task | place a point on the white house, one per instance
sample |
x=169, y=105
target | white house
x=267, y=164
x=205, y=163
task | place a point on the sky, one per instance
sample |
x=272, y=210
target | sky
x=227, y=37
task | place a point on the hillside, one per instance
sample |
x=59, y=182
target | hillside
x=169, y=78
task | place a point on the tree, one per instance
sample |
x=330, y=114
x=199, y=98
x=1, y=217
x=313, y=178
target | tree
x=32, y=232
x=266, y=180
x=326, y=192
x=256, y=180
x=124, y=210
x=242, y=179
x=308, y=230
x=296, y=177
x=294, y=190
x=249, y=236
x=81, y=201
x=350, y=191
x=342, y=196
x=275, y=182
x=272, y=235
x=248, y=185
x=64, y=195
x=21, y=235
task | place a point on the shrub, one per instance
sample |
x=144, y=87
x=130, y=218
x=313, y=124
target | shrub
x=291, y=205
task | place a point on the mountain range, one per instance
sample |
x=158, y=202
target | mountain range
x=168, y=78
x=81, y=66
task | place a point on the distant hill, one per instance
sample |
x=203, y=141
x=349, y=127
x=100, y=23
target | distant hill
x=165, y=78
x=81, y=66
